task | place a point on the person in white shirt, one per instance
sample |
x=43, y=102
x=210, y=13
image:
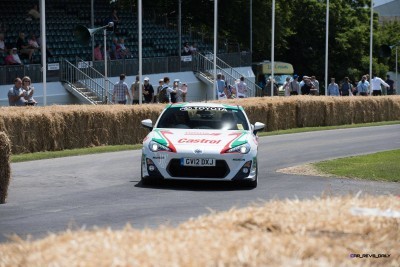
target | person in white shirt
x=286, y=86
x=241, y=88
x=376, y=85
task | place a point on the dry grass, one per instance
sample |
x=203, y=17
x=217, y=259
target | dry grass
x=281, y=113
x=54, y=128
x=5, y=169
x=319, y=232
x=305, y=169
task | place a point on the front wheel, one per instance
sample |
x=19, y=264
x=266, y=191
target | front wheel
x=252, y=184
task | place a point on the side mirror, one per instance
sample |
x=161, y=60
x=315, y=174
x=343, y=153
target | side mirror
x=258, y=126
x=147, y=124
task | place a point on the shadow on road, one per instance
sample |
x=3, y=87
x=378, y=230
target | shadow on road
x=195, y=185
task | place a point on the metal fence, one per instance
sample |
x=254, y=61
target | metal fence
x=9, y=73
x=115, y=67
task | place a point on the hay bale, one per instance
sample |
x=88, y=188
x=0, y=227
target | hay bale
x=51, y=128
x=317, y=232
x=5, y=169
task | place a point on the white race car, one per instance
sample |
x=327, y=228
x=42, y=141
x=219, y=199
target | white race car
x=201, y=141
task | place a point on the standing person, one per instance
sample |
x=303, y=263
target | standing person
x=166, y=90
x=333, y=88
x=174, y=94
x=16, y=95
x=241, y=88
x=268, y=87
x=160, y=85
x=354, y=90
x=221, y=87
x=148, y=91
x=28, y=90
x=315, y=82
x=135, y=91
x=363, y=86
x=376, y=83
x=121, y=92
x=180, y=92
x=391, y=90
x=294, y=85
x=184, y=89
x=307, y=86
x=346, y=87
x=286, y=86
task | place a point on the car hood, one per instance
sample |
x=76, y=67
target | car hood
x=183, y=139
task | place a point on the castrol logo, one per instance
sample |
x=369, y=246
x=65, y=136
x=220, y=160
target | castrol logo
x=198, y=141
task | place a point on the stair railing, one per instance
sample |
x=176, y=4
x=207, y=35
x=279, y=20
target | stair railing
x=205, y=65
x=82, y=73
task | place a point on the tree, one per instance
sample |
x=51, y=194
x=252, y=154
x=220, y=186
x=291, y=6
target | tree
x=299, y=31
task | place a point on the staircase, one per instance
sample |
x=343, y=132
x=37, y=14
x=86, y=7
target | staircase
x=83, y=94
x=85, y=82
x=203, y=68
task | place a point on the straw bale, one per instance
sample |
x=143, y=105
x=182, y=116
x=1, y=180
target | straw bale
x=5, y=168
x=33, y=129
x=315, y=232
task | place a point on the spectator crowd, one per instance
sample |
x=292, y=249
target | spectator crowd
x=164, y=93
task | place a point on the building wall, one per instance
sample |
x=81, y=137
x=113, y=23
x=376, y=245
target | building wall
x=56, y=94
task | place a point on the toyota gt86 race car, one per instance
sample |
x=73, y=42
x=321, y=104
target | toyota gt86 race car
x=201, y=141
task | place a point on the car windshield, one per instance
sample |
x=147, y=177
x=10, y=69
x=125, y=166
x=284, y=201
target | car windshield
x=203, y=118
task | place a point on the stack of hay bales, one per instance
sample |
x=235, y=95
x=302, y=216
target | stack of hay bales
x=33, y=129
x=5, y=169
x=317, y=232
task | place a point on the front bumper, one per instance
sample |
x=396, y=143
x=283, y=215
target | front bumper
x=234, y=167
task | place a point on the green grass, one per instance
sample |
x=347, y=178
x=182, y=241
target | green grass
x=72, y=152
x=324, y=128
x=381, y=166
x=106, y=149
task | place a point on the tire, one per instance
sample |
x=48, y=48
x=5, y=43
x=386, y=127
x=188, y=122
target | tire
x=148, y=180
x=252, y=184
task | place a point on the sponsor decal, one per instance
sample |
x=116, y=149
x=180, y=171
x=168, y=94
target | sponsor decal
x=161, y=137
x=198, y=151
x=198, y=141
x=203, y=108
x=238, y=159
x=237, y=140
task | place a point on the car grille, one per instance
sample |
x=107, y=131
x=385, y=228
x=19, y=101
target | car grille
x=220, y=170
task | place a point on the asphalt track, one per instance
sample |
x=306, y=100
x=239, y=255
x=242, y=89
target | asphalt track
x=104, y=190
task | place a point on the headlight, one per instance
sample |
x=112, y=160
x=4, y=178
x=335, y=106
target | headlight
x=154, y=146
x=243, y=149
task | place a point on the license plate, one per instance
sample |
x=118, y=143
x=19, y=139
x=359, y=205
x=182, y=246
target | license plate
x=197, y=162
